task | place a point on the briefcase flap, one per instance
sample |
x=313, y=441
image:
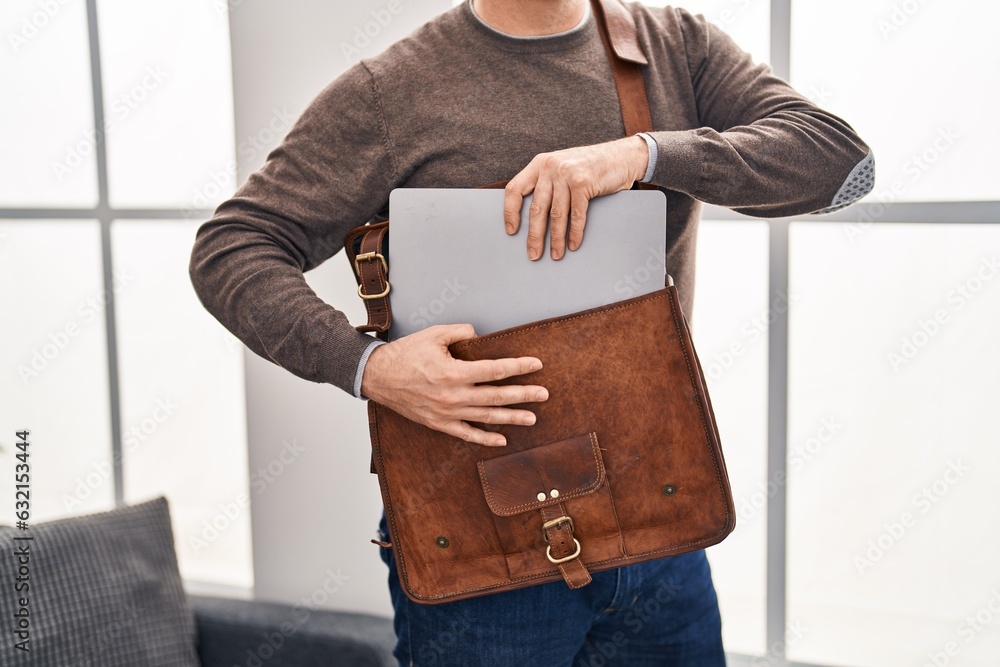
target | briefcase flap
x=543, y=475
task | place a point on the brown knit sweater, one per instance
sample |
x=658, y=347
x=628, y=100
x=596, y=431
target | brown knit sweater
x=459, y=105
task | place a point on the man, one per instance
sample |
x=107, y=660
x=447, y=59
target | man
x=520, y=90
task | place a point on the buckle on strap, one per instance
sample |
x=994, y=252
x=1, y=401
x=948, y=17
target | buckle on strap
x=574, y=580
x=555, y=523
x=370, y=256
x=375, y=296
x=366, y=256
x=548, y=553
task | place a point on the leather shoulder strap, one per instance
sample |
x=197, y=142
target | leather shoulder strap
x=618, y=32
x=621, y=29
x=366, y=245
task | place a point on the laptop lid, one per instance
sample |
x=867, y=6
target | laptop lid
x=451, y=261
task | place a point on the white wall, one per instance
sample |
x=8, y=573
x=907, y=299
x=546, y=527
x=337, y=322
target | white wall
x=313, y=522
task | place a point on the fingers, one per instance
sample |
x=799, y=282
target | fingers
x=558, y=218
x=446, y=334
x=502, y=395
x=492, y=415
x=484, y=405
x=491, y=370
x=538, y=217
x=513, y=197
x=565, y=180
x=561, y=184
x=461, y=428
x=424, y=383
x=578, y=217
x=477, y=436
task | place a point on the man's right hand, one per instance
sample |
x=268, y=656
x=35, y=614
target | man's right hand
x=417, y=377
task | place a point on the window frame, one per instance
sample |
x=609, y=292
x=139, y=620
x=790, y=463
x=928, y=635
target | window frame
x=969, y=212
x=105, y=215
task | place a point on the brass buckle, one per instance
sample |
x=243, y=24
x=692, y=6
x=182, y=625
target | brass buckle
x=375, y=296
x=548, y=553
x=366, y=256
x=555, y=523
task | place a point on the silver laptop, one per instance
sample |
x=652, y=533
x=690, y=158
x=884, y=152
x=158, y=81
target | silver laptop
x=451, y=261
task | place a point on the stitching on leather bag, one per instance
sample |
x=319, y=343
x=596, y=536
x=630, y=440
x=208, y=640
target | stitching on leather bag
x=614, y=511
x=401, y=565
x=475, y=341
x=517, y=509
x=701, y=408
x=706, y=541
x=390, y=514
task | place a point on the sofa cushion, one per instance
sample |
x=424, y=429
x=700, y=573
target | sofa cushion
x=269, y=634
x=103, y=589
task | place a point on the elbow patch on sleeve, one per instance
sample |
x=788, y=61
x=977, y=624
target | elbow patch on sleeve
x=859, y=183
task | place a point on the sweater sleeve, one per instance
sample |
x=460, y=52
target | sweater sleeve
x=762, y=148
x=332, y=172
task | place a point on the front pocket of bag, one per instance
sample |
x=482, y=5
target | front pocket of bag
x=569, y=471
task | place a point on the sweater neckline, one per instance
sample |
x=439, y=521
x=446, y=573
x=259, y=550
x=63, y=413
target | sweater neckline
x=581, y=33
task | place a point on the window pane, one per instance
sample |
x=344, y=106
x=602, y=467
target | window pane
x=183, y=409
x=892, y=533
x=746, y=21
x=46, y=118
x=730, y=330
x=54, y=380
x=917, y=80
x=168, y=100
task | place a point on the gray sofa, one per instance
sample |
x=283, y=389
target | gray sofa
x=105, y=589
x=259, y=634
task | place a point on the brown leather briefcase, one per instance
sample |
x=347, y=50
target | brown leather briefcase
x=622, y=465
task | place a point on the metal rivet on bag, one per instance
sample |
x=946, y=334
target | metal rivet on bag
x=541, y=496
x=554, y=493
x=669, y=489
x=442, y=541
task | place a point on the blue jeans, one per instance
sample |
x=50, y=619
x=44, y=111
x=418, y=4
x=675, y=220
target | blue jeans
x=662, y=612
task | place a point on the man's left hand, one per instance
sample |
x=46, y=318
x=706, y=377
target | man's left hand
x=563, y=183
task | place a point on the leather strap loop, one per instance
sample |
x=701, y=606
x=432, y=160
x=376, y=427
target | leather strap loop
x=563, y=548
x=372, y=272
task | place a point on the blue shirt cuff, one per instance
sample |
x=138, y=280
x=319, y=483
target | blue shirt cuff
x=361, y=367
x=651, y=166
